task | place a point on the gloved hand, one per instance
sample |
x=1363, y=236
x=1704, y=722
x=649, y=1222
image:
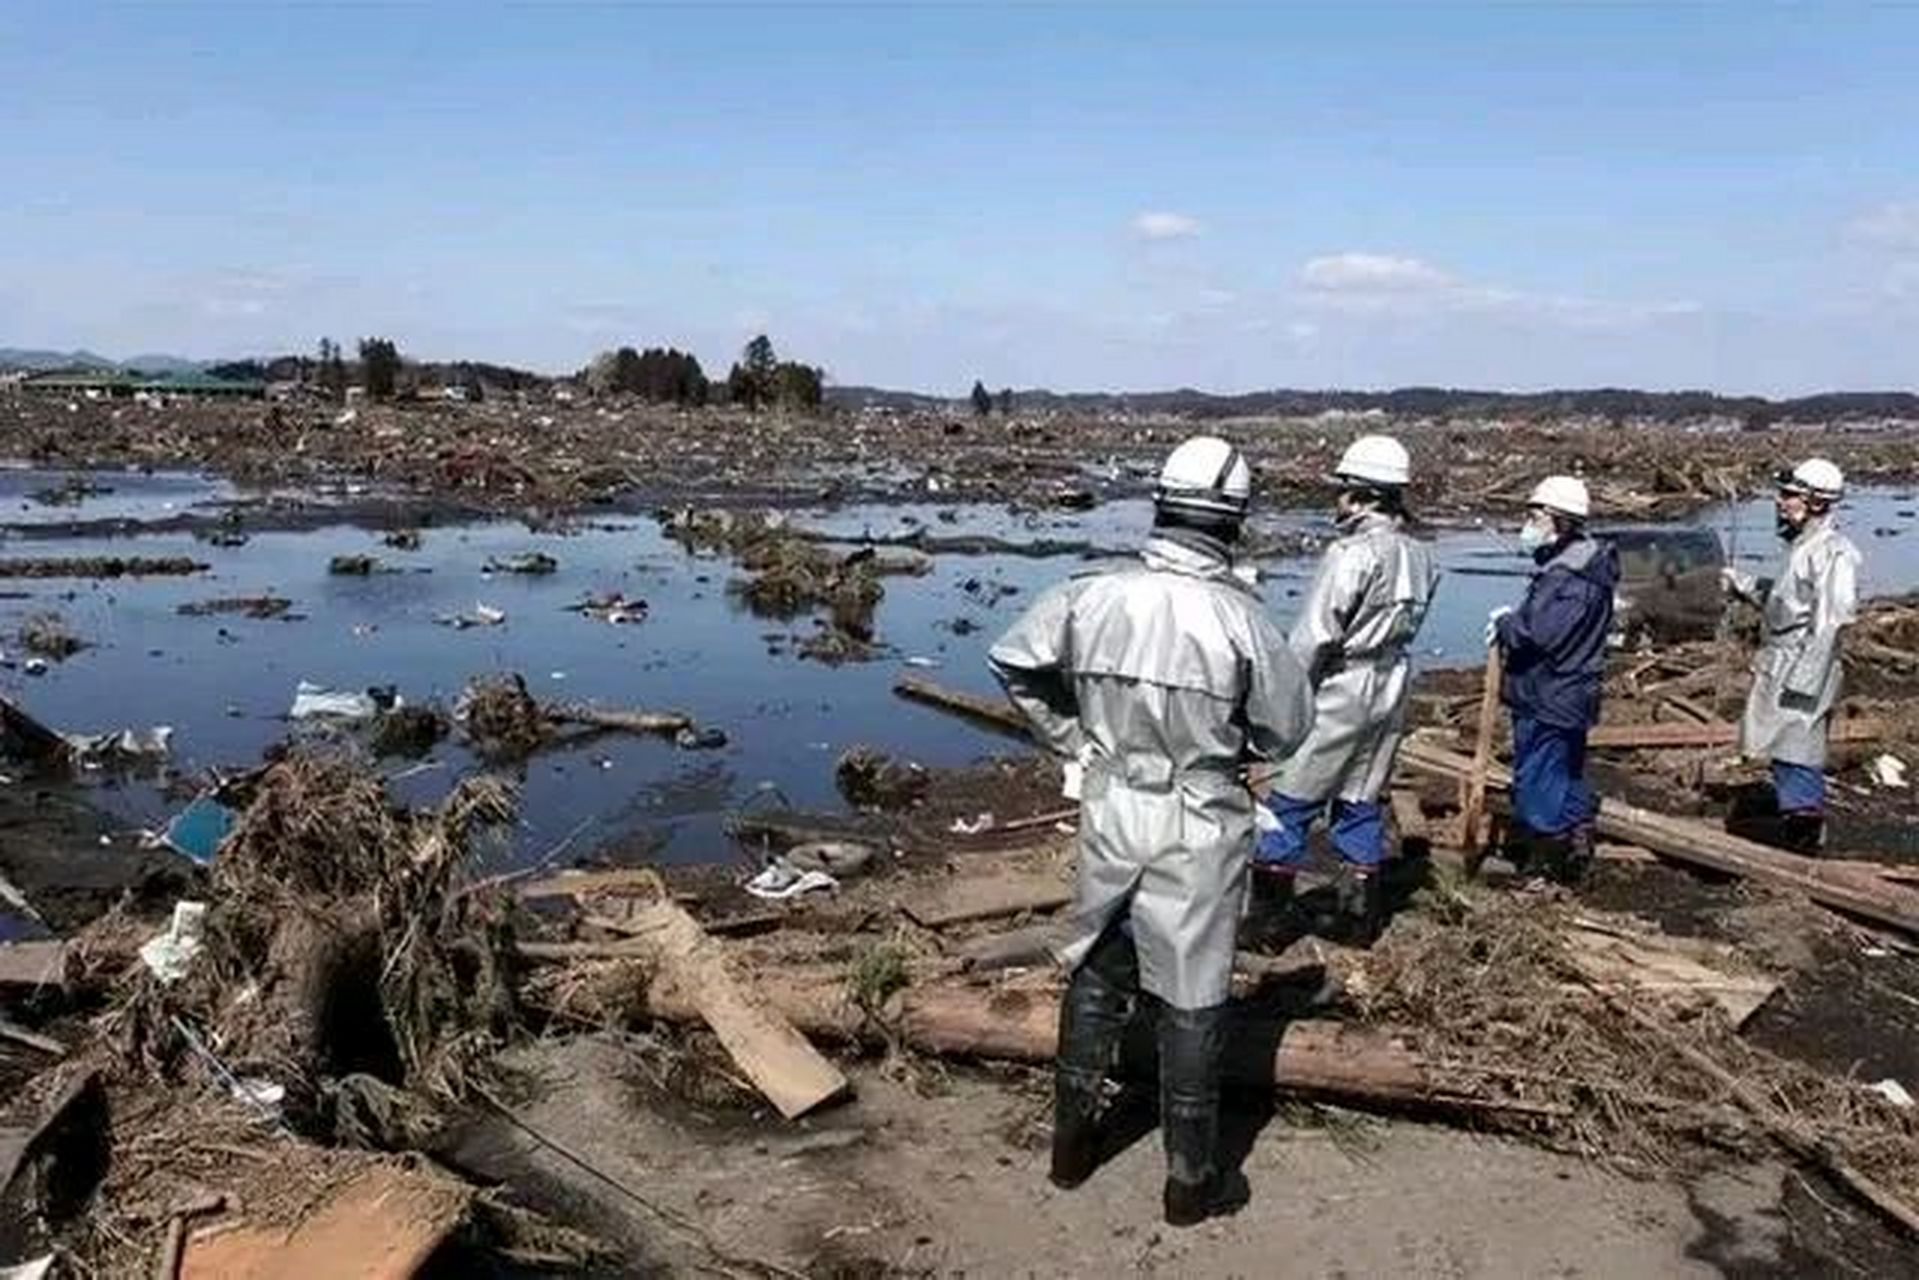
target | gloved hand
x=1735, y=582
x=1492, y=623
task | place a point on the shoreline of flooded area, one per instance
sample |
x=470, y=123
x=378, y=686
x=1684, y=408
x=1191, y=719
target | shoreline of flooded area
x=219, y=655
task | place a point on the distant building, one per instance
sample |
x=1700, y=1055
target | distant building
x=95, y=384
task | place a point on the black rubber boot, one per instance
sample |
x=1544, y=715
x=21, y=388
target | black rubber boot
x=1578, y=862
x=1092, y=1021
x=1551, y=856
x=1803, y=831
x=1270, y=907
x=1191, y=1044
x=1362, y=905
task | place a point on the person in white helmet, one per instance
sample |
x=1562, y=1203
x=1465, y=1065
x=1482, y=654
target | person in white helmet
x=1353, y=635
x=1554, y=645
x=1162, y=680
x=1797, y=672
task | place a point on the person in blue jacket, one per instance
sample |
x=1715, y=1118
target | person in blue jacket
x=1554, y=645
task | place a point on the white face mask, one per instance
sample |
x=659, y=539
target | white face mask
x=1535, y=534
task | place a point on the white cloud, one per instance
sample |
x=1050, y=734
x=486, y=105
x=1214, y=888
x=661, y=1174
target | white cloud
x=1395, y=285
x=1366, y=273
x=1165, y=225
x=1890, y=226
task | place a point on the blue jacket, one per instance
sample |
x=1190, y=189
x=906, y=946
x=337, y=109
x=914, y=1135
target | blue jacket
x=1555, y=642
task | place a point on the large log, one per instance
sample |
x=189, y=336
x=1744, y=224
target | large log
x=1326, y=1059
x=1690, y=841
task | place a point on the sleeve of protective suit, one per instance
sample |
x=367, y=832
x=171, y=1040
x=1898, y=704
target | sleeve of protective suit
x=1835, y=604
x=1319, y=633
x=1033, y=662
x=1279, y=696
x=1546, y=619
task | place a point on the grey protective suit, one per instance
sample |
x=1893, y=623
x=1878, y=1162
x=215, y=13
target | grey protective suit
x=1796, y=675
x=1366, y=605
x=1164, y=678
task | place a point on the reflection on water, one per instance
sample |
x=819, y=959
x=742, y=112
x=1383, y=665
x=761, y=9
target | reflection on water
x=225, y=682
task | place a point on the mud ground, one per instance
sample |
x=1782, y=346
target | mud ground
x=945, y=1175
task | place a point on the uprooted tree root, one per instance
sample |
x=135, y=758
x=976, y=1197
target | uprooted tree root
x=1494, y=1000
x=340, y=960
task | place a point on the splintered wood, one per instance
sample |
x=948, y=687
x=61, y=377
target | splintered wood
x=776, y=1058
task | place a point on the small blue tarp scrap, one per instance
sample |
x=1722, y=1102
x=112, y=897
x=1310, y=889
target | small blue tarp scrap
x=197, y=830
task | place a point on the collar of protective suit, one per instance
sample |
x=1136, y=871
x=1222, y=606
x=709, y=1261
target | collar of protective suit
x=1812, y=528
x=1367, y=521
x=1193, y=554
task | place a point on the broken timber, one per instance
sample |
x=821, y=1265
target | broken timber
x=996, y=713
x=775, y=1057
x=33, y=964
x=1322, y=1058
x=1686, y=840
x=621, y=721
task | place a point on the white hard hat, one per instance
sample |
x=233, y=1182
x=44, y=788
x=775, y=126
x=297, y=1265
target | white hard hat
x=1375, y=460
x=1206, y=474
x=1565, y=494
x=1816, y=478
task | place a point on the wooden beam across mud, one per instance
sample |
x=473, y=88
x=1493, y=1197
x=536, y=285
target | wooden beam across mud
x=1322, y=1058
x=1694, y=842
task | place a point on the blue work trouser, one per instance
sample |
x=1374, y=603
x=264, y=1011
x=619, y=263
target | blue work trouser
x=1358, y=830
x=1801, y=788
x=1550, y=794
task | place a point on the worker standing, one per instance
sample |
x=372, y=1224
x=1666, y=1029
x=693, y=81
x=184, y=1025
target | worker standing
x=1160, y=680
x=1353, y=636
x=1797, y=672
x=1554, y=645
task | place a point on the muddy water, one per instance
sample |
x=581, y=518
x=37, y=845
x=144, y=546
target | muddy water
x=225, y=683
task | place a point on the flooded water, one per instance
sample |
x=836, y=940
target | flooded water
x=225, y=683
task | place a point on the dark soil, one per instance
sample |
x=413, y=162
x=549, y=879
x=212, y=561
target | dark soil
x=71, y=865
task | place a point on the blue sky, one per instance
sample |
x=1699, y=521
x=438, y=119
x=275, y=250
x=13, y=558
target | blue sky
x=1072, y=195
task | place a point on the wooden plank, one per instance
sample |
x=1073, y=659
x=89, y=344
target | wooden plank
x=1472, y=803
x=383, y=1225
x=1718, y=733
x=33, y=964
x=1617, y=960
x=775, y=1057
x=967, y=898
x=1686, y=840
x=996, y=713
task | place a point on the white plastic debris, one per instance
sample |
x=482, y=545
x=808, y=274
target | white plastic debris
x=480, y=615
x=972, y=826
x=265, y=1095
x=128, y=746
x=1888, y=771
x=1892, y=1091
x=782, y=880
x=316, y=701
x=171, y=954
x=37, y=1269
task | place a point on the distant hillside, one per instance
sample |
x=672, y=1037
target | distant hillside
x=22, y=358
x=16, y=358
x=1426, y=402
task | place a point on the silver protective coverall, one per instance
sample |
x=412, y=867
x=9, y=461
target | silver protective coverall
x=1366, y=605
x=1796, y=675
x=1164, y=678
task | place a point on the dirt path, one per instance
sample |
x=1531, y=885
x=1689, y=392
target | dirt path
x=950, y=1181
